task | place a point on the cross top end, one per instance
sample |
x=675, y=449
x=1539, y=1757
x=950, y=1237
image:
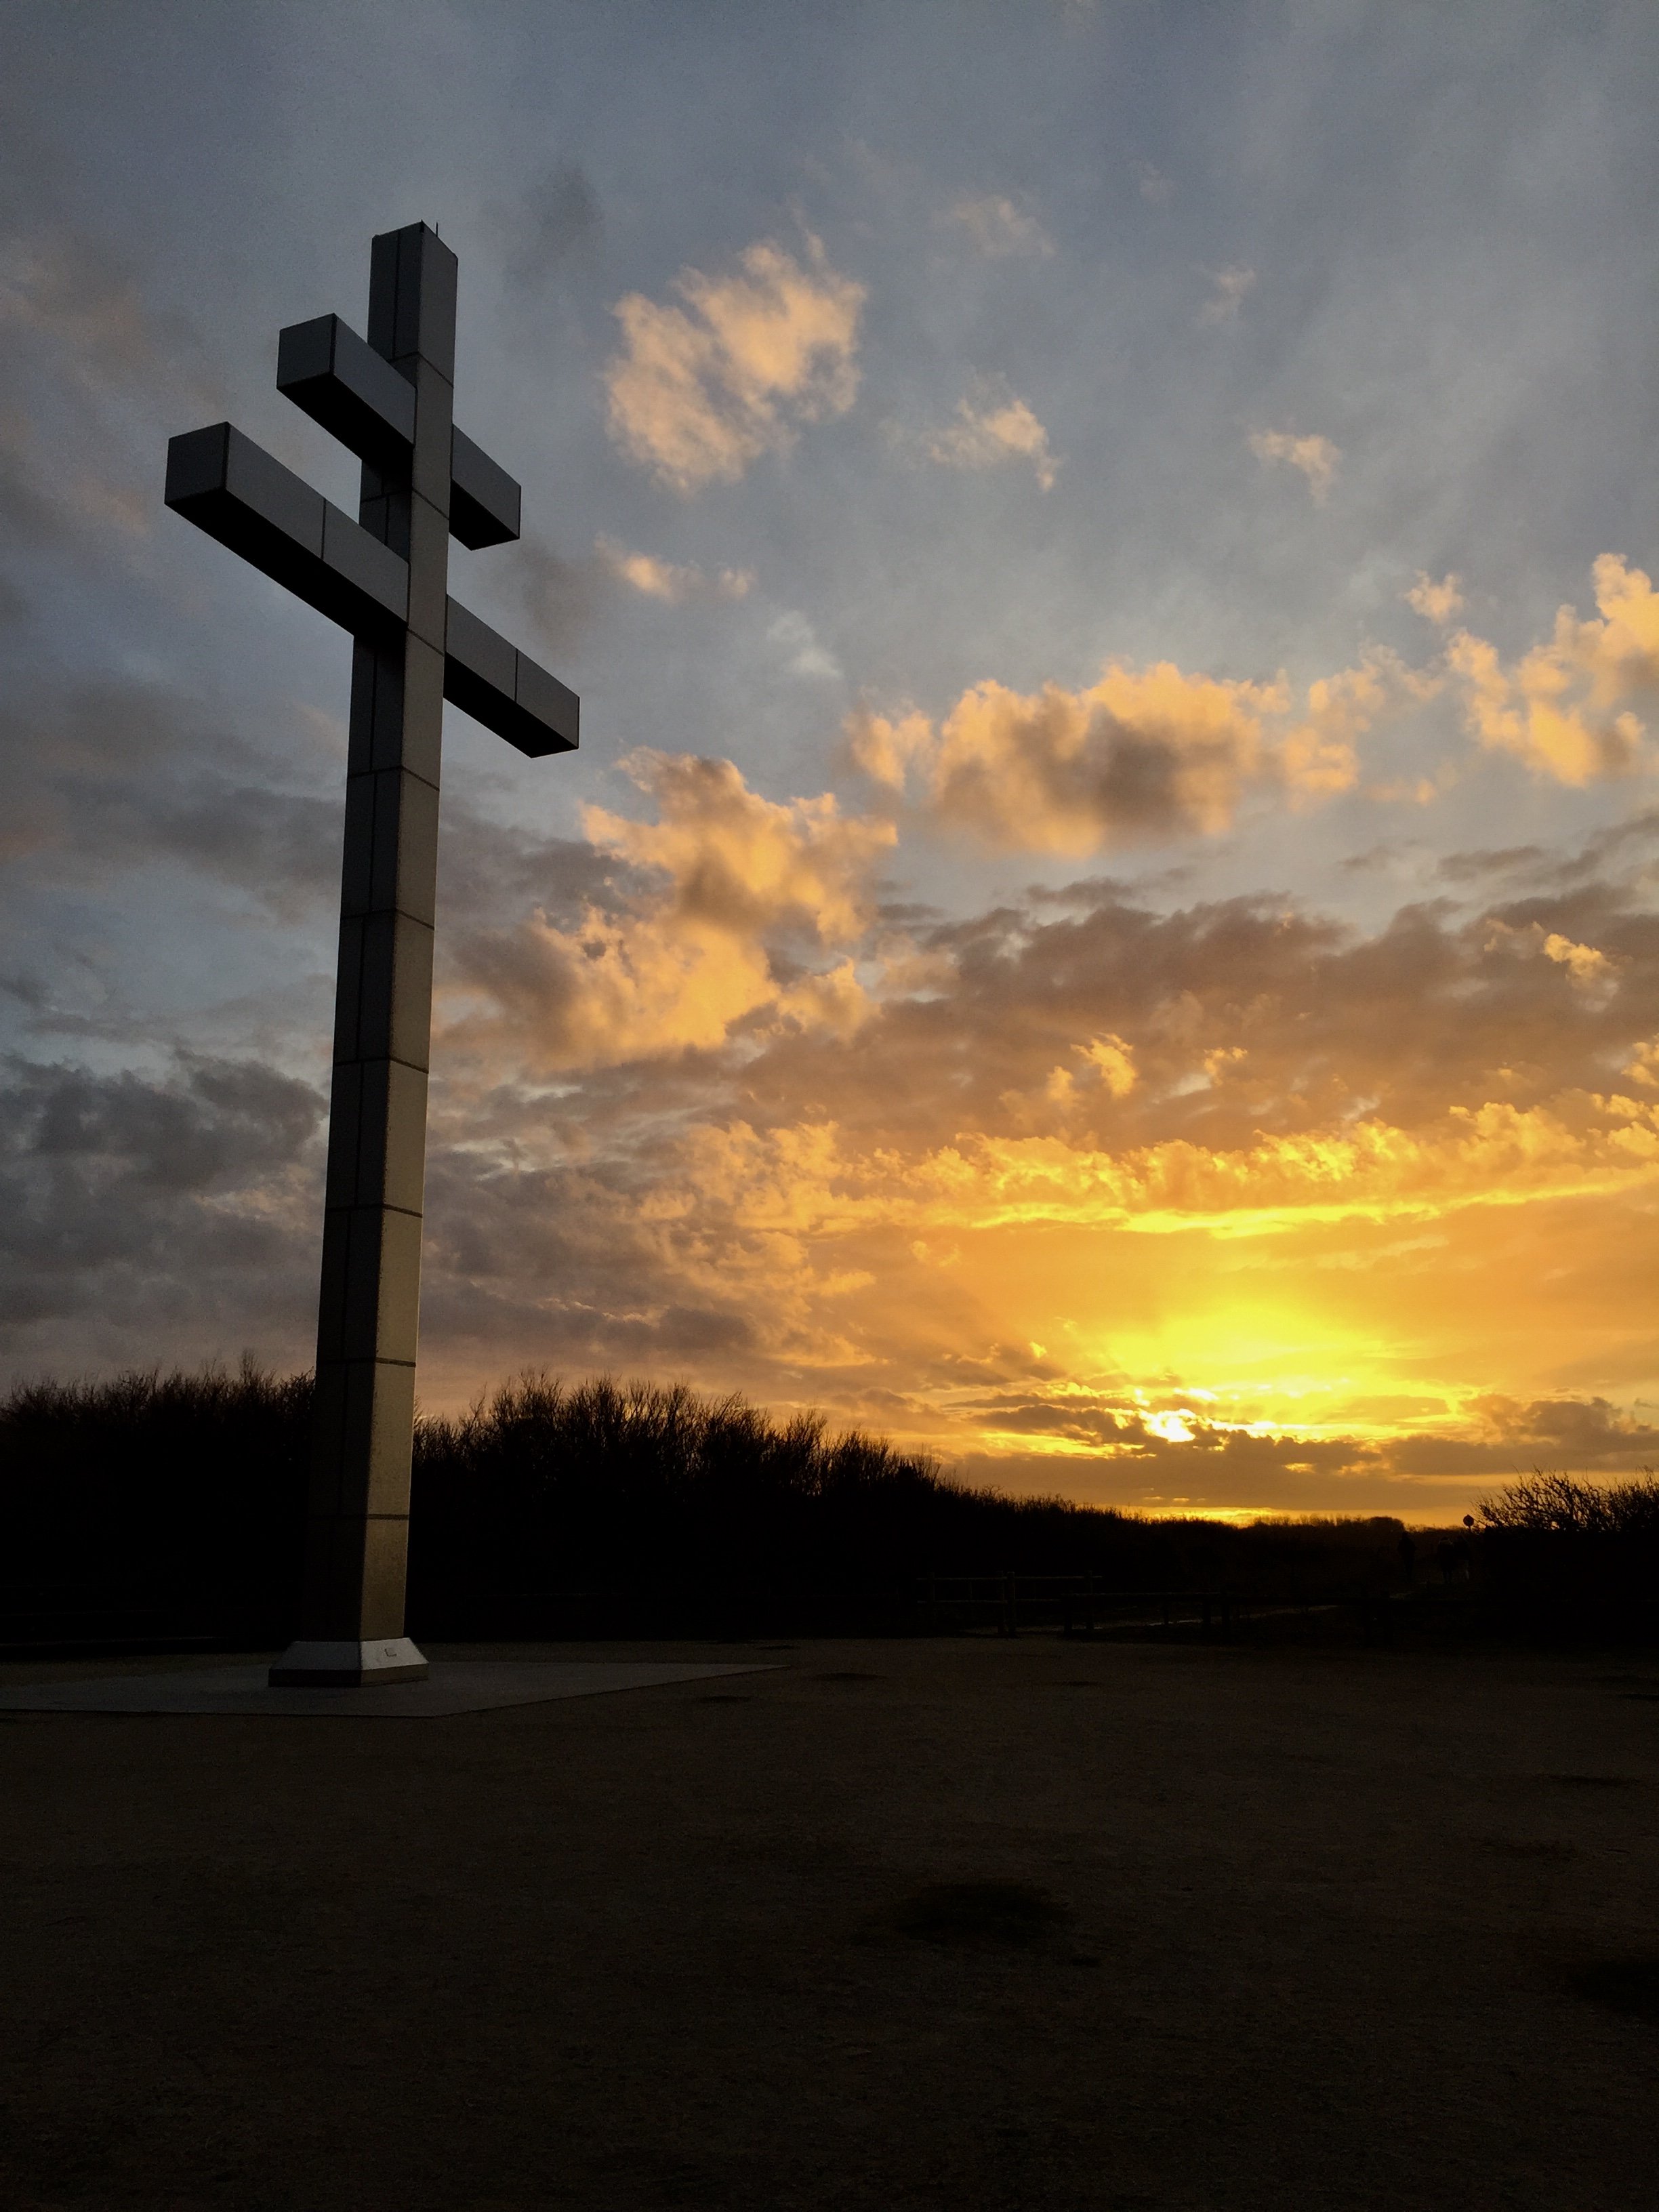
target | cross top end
x=389, y=399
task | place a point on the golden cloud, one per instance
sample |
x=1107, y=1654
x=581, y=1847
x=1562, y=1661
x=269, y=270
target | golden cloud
x=1589, y=968
x=993, y=425
x=1494, y=1155
x=698, y=392
x=1113, y=1062
x=1562, y=709
x=1140, y=755
x=673, y=582
x=1315, y=456
x=1436, y=603
x=736, y=885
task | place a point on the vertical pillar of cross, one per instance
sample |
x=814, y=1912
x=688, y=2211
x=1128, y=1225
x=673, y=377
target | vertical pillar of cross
x=351, y=1625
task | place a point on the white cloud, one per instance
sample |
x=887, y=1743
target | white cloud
x=993, y=425
x=700, y=391
x=1154, y=185
x=1315, y=456
x=799, y=642
x=1231, y=287
x=997, y=227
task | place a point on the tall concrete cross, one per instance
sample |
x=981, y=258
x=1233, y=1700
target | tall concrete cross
x=385, y=578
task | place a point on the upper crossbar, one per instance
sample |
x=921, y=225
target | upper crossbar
x=356, y=393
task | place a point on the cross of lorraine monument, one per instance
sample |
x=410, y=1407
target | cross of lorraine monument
x=385, y=578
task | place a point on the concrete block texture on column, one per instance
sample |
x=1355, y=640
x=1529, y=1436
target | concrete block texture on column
x=390, y=857
x=365, y=1415
x=377, y=1118
x=371, y=1287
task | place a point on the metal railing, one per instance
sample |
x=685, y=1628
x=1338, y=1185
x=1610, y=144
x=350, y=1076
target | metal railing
x=1074, y=1604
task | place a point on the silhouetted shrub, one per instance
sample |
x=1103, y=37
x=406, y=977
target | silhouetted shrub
x=1572, y=1559
x=1563, y=1505
x=152, y=1502
x=650, y=1491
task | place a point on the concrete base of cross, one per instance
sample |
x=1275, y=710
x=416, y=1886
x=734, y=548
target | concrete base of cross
x=345, y=1666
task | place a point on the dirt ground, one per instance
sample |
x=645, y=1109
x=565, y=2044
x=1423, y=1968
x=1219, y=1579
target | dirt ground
x=961, y=1924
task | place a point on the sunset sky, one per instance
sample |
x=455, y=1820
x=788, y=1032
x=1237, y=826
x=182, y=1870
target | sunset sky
x=1103, y=922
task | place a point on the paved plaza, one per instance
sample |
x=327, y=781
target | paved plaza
x=954, y=1923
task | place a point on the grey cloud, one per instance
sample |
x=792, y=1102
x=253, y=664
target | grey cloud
x=1482, y=867
x=554, y=1266
x=281, y=847
x=100, y=728
x=89, y=374
x=1623, y=845
x=1609, y=855
x=29, y=514
x=554, y=225
x=76, y=291
x=556, y=595
x=114, y=776
x=157, y=1206
x=490, y=872
x=1579, y=1431
x=215, y=1120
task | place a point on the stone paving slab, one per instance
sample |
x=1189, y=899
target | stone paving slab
x=455, y=1686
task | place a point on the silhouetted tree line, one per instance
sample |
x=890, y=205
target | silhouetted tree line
x=174, y=1505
